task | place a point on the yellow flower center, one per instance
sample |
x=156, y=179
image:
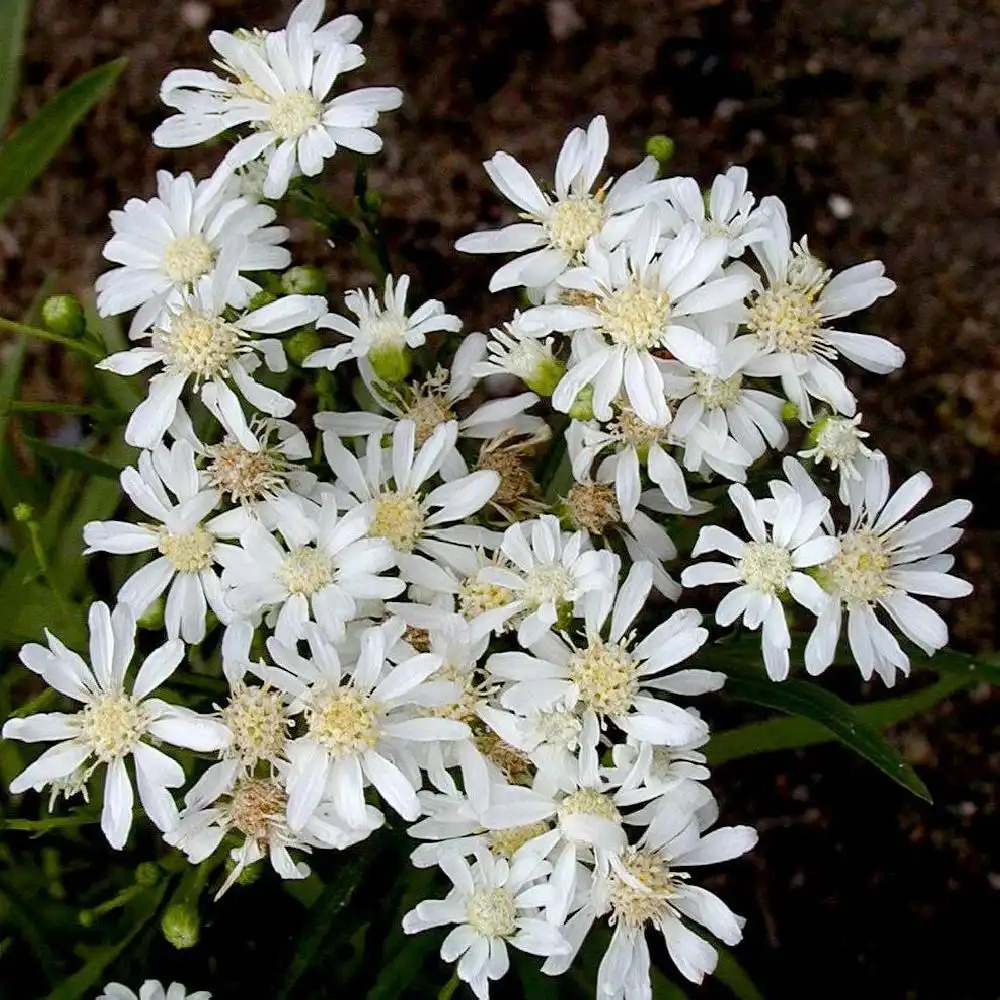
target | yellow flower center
x=256, y=717
x=399, y=518
x=858, y=571
x=635, y=316
x=550, y=582
x=190, y=552
x=187, y=258
x=506, y=843
x=294, y=113
x=342, y=720
x=573, y=221
x=588, y=802
x=111, y=725
x=606, y=677
x=475, y=597
x=650, y=899
x=718, y=393
x=786, y=319
x=199, y=345
x=766, y=566
x=491, y=912
x=305, y=570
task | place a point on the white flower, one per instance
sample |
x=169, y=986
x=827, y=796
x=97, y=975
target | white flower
x=493, y=903
x=381, y=330
x=188, y=545
x=434, y=402
x=615, y=678
x=729, y=210
x=641, y=299
x=788, y=313
x=168, y=244
x=112, y=725
x=766, y=567
x=280, y=84
x=421, y=524
x=884, y=558
x=194, y=341
x=524, y=351
x=557, y=229
x=359, y=725
x=151, y=989
x=550, y=571
x=321, y=569
x=839, y=441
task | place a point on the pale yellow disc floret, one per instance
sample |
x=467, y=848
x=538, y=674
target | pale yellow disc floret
x=786, y=318
x=343, y=721
x=635, y=316
x=606, y=676
x=593, y=507
x=588, y=802
x=476, y=597
x=574, y=221
x=294, y=113
x=637, y=432
x=399, y=518
x=188, y=552
x=305, y=570
x=717, y=393
x=649, y=899
x=199, y=344
x=111, y=725
x=506, y=843
x=859, y=571
x=246, y=475
x=258, y=722
x=548, y=582
x=491, y=912
x=428, y=411
x=766, y=567
x=256, y=806
x=187, y=258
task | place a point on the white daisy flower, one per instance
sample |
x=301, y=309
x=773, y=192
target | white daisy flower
x=279, y=84
x=549, y=572
x=767, y=566
x=166, y=245
x=640, y=300
x=359, y=724
x=112, y=725
x=728, y=211
x=524, y=351
x=493, y=903
x=839, y=441
x=152, y=989
x=434, y=402
x=559, y=226
x=319, y=571
x=189, y=546
x=195, y=342
x=788, y=313
x=883, y=559
x=422, y=525
x=383, y=332
x=615, y=678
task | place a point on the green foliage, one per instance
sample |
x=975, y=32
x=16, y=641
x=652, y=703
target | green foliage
x=13, y=22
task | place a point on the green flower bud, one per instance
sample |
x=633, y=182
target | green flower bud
x=661, y=147
x=23, y=512
x=261, y=299
x=819, y=425
x=304, y=281
x=546, y=376
x=152, y=618
x=181, y=925
x=373, y=201
x=147, y=874
x=249, y=875
x=63, y=314
x=392, y=363
x=86, y=918
x=299, y=346
x=789, y=412
x=583, y=405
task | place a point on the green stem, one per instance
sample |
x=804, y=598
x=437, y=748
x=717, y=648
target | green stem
x=448, y=990
x=68, y=409
x=54, y=338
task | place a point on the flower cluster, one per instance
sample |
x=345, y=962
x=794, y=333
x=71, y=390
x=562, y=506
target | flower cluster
x=406, y=618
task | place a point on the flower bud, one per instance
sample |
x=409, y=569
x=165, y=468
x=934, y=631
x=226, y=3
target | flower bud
x=545, y=376
x=63, y=314
x=147, y=874
x=372, y=201
x=249, y=875
x=661, y=147
x=181, y=925
x=261, y=299
x=304, y=281
x=299, y=346
x=23, y=512
x=583, y=405
x=392, y=363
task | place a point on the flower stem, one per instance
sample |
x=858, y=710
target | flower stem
x=92, y=350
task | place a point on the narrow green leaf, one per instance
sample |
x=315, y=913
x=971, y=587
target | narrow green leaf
x=31, y=607
x=813, y=702
x=32, y=146
x=13, y=22
x=981, y=668
x=71, y=458
x=663, y=988
x=403, y=968
x=794, y=732
x=734, y=976
x=37, y=826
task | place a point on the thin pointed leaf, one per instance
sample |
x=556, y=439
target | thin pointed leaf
x=734, y=976
x=13, y=23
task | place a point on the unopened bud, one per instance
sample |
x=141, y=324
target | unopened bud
x=181, y=925
x=373, y=201
x=63, y=314
x=583, y=405
x=23, y=512
x=261, y=299
x=299, y=346
x=250, y=873
x=147, y=874
x=304, y=280
x=391, y=363
x=661, y=147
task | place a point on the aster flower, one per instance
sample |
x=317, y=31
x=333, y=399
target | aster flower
x=549, y=572
x=616, y=678
x=884, y=558
x=383, y=333
x=112, y=725
x=152, y=989
x=493, y=903
x=319, y=571
x=359, y=724
x=640, y=299
x=166, y=245
x=558, y=227
x=767, y=566
x=839, y=441
x=525, y=351
x=788, y=313
x=280, y=84
x=189, y=547
x=195, y=342
x=420, y=524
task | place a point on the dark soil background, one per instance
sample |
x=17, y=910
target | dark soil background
x=879, y=124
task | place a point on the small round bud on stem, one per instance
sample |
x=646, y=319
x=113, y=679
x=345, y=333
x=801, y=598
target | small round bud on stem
x=181, y=925
x=249, y=875
x=261, y=299
x=304, y=281
x=391, y=363
x=63, y=314
x=661, y=147
x=23, y=512
x=300, y=345
x=147, y=874
x=583, y=405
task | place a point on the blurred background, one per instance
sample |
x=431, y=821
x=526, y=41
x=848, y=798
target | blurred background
x=879, y=124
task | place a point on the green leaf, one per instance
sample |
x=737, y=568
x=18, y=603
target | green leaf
x=981, y=668
x=13, y=22
x=29, y=607
x=32, y=146
x=734, y=976
x=71, y=458
x=813, y=702
x=403, y=968
x=663, y=988
x=794, y=732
